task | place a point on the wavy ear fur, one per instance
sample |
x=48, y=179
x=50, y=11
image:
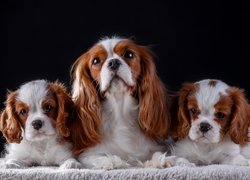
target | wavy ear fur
x=174, y=108
x=88, y=107
x=240, y=116
x=9, y=123
x=65, y=107
x=184, y=122
x=153, y=110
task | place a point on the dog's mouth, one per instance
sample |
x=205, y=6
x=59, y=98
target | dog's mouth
x=204, y=138
x=40, y=133
x=115, y=81
x=39, y=136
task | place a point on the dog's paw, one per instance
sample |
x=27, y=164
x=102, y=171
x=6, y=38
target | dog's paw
x=12, y=164
x=240, y=161
x=182, y=162
x=71, y=164
x=109, y=162
x=159, y=160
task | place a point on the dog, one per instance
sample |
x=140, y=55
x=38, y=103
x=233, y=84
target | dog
x=123, y=107
x=35, y=123
x=212, y=123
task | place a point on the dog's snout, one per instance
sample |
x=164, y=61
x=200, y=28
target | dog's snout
x=114, y=64
x=205, y=127
x=37, y=124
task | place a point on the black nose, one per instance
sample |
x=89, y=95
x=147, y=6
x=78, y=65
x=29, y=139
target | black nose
x=37, y=124
x=205, y=127
x=114, y=64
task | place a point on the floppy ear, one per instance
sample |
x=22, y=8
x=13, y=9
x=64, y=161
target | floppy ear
x=64, y=107
x=174, y=108
x=153, y=111
x=87, y=104
x=240, y=116
x=10, y=125
x=183, y=115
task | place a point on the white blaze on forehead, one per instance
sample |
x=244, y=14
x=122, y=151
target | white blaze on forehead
x=33, y=92
x=124, y=71
x=109, y=44
x=208, y=94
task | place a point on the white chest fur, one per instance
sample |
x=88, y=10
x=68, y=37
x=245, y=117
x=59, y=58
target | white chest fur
x=206, y=153
x=121, y=133
x=45, y=152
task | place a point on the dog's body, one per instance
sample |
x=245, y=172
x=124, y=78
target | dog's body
x=122, y=139
x=47, y=152
x=225, y=152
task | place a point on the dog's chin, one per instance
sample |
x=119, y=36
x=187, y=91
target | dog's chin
x=117, y=80
x=204, y=139
x=39, y=136
x=118, y=83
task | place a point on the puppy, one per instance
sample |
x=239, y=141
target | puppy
x=212, y=123
x=35, y=124
x=122, y=104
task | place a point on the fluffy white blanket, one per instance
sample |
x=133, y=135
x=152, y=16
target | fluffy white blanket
x=205, y=172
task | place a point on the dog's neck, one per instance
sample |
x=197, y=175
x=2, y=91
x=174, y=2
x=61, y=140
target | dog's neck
x=119, y=105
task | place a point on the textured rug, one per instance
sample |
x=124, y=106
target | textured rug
x=205, y=172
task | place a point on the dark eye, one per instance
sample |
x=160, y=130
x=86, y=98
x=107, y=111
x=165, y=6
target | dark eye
x=23, y=112
x=220, y=115
x=48, y=108
x=128, y=55
x=96, y=61
x=193, y=111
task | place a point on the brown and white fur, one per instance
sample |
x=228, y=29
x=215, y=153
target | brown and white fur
x=35, y=124
x=212, y=123
x=122, y=104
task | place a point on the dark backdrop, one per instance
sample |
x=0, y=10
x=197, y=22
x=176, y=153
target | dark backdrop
x=192, y=39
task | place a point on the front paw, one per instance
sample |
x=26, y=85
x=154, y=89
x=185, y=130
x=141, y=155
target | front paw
x=182, y=162
x=109, y=162
x=71, y=164
x=12, y=164
x=240, y=161
x=159, y=160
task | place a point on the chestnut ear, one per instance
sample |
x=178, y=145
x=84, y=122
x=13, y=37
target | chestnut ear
x=240, y=116
x=184, y=122
x=87, y=106
x=153, y=111
x=65, y=107
x=174, y=108
x=9, y=123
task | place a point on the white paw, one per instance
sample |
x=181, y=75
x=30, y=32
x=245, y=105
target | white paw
x=183, y=162
x=159, y=160
x=109, y=162
x=71, y=164
x=11, y=166
x=240, y=161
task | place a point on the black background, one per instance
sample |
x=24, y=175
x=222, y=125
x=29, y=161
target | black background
x=192, y=39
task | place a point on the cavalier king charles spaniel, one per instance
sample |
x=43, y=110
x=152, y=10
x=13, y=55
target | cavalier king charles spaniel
x=212, y=123
x=122, y=104
x=35, y=124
